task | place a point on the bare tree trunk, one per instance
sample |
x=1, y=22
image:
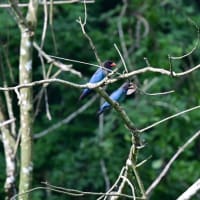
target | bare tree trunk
x=26, y=102
x=9, y=146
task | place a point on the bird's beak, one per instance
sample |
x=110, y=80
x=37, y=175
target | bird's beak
x=113, y=64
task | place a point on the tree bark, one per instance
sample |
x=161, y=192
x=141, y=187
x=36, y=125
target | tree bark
x=9, y=146
x=26, y=100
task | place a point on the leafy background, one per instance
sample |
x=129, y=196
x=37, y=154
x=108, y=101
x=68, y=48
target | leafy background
x=71, y=155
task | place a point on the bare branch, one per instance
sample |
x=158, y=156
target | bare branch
x=121, y=33
x=48, y=3
x=156, y=94
x=129, y=124
x=8, y=145
x=10, y=109
x=167, y=167
x=7, y=122
x=56, y=63
x=7, y=94
x=139, y=71
x=131, y=162
x=121, y=186
x=45, y=24
x=115, y=184
x=158, y=70
x=131, y=186
x=51, y=7
x=82, y=193
x=195, y=46
x=42, y=62
x=82, y=62
x=143, y=20
x=122, y=59
x=38, y=97
x=170, y=117
x=47, y=104
x=82, y=24
x=105, y=81
x=143, y=162
x=21, y=21
x=71, y=192
x=52, y=80
x=105, y=174
x=191, y=191
x=66, y=120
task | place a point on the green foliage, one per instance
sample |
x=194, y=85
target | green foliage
x=70, y=156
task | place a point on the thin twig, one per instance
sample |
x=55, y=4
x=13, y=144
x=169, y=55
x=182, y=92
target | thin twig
x=131, y=162
x=121, y=186
x=75, y=61
x=8, y=63
x=48, y=114
x=170, y=117
x=43, y=65
x=17, y=144
x=7, y=122
x=66, y=120
x=147, y=61
x=115, y=184
x=143, y=162
x=131, y=186
x=82, y=24
x=168, y=165
x=105, y=174
x=10, y=109
x=42, y=90
x=52, y=80
x=122, y=59
x=56, y=63
x=156, y=94
x=81, y=62
x=195, y=46
x=139, y=181
x=45, y=24
x=121, y=32
x=52, y=28
x=170, y=65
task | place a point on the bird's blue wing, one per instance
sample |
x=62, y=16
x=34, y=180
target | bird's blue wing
x=116, y=95
x=97, y=76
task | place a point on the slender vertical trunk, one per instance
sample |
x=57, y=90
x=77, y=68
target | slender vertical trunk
x=9, y=145
x=26, y=109
x=26, y=100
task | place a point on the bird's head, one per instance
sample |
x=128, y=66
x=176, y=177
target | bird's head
x=129, y=88
x=109, y=64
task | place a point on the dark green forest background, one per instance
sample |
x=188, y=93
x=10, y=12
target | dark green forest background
x=71, y=155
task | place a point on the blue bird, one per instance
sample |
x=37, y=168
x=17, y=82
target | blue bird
x=98, y=76
x=117, y=95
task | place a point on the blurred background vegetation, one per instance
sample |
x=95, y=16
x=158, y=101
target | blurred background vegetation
x=71, y=155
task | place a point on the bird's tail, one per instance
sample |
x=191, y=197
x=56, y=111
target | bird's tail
x=81, y=97
x=99, y=112
x=85, y=93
